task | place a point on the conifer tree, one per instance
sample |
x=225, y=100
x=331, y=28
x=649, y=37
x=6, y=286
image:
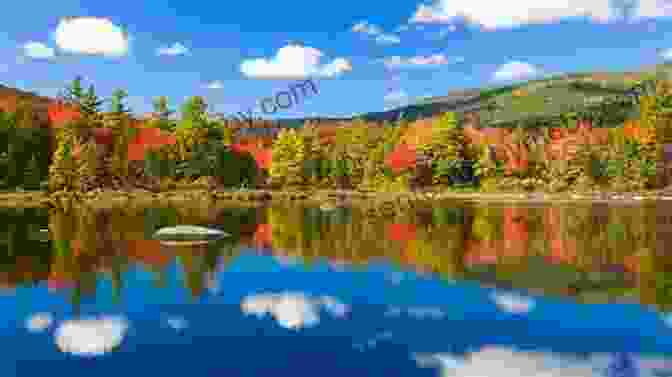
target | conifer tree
x=90, y=103
x=75, y=92
x=117, y=105
x=162, y=114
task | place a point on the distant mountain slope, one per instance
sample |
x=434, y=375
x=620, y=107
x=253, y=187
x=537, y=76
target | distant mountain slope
x=10, y=98
x=536, y=98
x=543, y=97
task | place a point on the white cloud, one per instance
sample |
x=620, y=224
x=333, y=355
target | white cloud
x=293, y=310
x=430, y=14
x=497, y=15
x=91, y=337
x=516, y=70
x=666, y=54
x=293, y=61
x=336, y=67
x=388, y=39
x=398, y=96
x=177, y=323
x=366, y=28
x=501, y=362
x=419, y=61
x=417, y=312
x=443, y=360
x=39, y=322
x=513, y=303
x=91, y=36
x=176, y=49
x=504, y=362
x=215, y=85
x=37, y=50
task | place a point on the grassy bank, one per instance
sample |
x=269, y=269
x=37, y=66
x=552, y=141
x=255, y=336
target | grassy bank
x=201, y=197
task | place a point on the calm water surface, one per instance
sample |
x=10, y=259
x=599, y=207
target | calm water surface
x=457, y=290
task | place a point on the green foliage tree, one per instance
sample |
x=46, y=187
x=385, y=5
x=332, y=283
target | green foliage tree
x=75, y=92
x=289, y=156
x=194, y=113
x=446, y=148
x=26, y=146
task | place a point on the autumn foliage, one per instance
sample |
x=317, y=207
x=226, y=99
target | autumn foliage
x=61, y=113
x=403, y=157
x=263, y=236
x=401, y=232
x=262, y=156
x=147, y=139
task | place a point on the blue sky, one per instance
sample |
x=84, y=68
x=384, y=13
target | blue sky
x=364, y=56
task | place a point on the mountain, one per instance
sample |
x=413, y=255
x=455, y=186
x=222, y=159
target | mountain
x=536, y=98
x=10, y=98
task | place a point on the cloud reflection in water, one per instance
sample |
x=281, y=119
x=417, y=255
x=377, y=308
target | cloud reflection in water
x=512, y=303
x=39, y=322
x=293, y=310
x=91, y=337
x=503, y=362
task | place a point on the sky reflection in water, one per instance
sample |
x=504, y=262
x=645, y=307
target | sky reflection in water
x=256, y=313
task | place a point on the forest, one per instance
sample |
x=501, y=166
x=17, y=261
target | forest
x=617, y=143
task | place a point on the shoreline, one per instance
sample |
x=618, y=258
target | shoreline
x=190, y=196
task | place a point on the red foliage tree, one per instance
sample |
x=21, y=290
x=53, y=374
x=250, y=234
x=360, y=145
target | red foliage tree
x=563, y=250
x=401, y=158
x=401, y=232
x=147, y=139
x=148, y=252
x=516, y=231
x=262, y=156
x=61, y=113
x=263, y=236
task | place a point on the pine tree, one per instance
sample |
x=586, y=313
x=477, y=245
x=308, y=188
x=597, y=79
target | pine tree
x=117, y=105
x=90, y=103
x=75, y=92
x=162, y=114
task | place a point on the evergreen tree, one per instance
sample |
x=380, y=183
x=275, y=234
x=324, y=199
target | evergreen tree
x=161, y=108
x=90, y=103
x=162, y=113
x=117, y=104
x=75, y=92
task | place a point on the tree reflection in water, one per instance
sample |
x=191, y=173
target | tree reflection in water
x=592, y=252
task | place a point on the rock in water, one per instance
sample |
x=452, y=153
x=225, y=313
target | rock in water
x=183, y=234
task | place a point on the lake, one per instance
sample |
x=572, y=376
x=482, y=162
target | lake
x=454, y=290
